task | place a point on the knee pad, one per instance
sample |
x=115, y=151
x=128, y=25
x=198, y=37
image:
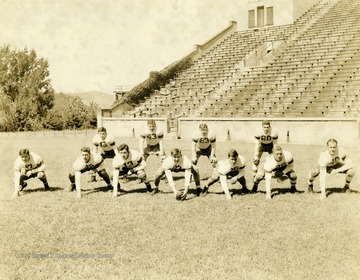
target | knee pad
x=256, y=161
x=40, y=175
x=141, y=175
x=314, y=174
x=258, y=178
x=292, y=176
x=350, y=172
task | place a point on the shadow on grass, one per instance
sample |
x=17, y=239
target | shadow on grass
x=52, y=189
x=330, y=191
x=279, y=191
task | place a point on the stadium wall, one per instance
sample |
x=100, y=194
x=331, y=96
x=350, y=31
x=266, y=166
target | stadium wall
x=312, y=131
x=285, y=11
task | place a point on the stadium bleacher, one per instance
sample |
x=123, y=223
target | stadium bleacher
x=314, y=73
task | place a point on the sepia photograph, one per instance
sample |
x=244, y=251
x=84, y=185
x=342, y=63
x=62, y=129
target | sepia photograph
x=180, y=139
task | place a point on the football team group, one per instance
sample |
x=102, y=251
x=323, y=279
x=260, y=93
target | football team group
x=279, y=164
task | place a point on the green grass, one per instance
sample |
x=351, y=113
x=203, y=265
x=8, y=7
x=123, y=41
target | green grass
x=53, y=235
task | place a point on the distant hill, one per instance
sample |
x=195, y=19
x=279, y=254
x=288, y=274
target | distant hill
x=102, y=99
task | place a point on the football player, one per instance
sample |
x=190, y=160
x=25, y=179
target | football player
x=176, y=162
x=151, y=141
x=104, y=144
x=28, y=165
x=87, y=162
x=279, y=165
x=264, y=142
x=332, y=161
x=231, y=168
x=204, y=144
x=129, y=162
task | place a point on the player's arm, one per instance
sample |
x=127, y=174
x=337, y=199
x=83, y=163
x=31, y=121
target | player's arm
x=322, y=181
x=275, y=139
x=17, y=175
x=78, y=183
x=268, y=176
x=224, y=186
x=170, y=180
x=142, y=143
x=161, y=145
x=269, y=167
x=193, y=150
x=140, y=164
x=40, y=167
x=116, y=173
x=257, y=146
x=213, y=150
x=348, y=164
x=186, y=182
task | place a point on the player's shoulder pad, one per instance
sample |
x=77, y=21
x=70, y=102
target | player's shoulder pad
x=36, y=158
x=78, y=164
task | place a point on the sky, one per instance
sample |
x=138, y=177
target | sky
x=95, y=45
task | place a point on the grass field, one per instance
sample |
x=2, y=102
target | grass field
x=53, y=235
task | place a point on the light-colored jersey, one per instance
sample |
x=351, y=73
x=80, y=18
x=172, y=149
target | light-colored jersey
x=203, y=142
x=266, y=138
x=183, y=164
x=225, y=166
x=34, y=162
x=96, y=161
x=328, y=160
x=135, y=160
x=271, y=164
x=152, y=138
x=107, y=144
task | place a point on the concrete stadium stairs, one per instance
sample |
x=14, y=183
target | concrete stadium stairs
x=313, y=71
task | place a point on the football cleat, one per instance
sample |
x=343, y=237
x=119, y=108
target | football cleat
x=204, y=192
x=154, y=191
x=310, y=189
x=71, y=188
x=23, y=186
x=293, y=189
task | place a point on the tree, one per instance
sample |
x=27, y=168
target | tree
x=24, y=82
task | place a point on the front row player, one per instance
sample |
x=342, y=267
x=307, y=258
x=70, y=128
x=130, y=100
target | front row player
x=333, y=160
x=127, y=162
x=176, y=162
x=231, y=168
x=280, y=165
x=28, y=165
x=88, y=161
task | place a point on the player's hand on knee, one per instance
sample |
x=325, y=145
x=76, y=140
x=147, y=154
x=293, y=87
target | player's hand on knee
x=234, y=179
x=334, y=171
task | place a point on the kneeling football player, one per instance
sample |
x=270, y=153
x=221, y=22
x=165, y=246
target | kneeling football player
x=28, y=165
x=279, y=165
x=231, y=168
x=129, y=162
x=87, y=162
x=176, y=162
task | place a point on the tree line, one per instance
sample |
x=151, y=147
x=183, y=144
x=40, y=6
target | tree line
x=28, y=101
